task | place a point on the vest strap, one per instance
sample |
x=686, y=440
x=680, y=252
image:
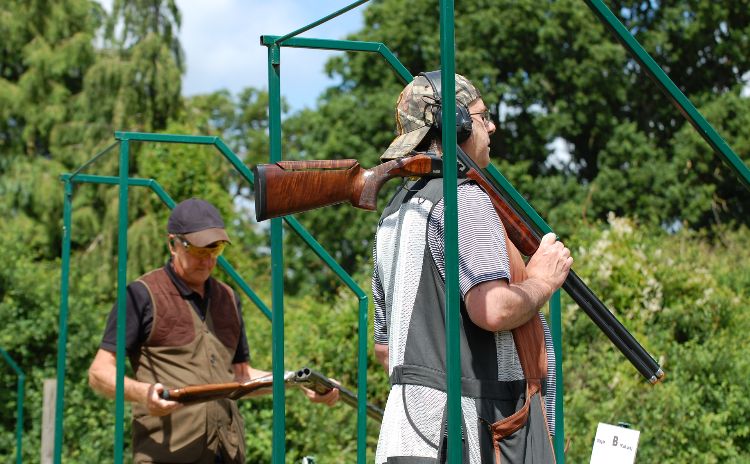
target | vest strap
x=472, y=388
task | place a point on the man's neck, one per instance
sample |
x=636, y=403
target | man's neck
x=197, y=287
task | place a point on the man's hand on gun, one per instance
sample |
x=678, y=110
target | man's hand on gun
x=157, y=406
x=329, y=398
x=551, y=262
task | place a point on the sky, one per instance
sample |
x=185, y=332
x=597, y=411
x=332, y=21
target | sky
x=221, y=39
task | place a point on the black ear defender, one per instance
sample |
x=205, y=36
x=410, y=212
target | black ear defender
x=463, y=118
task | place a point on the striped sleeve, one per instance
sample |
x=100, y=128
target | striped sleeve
x=482, y=255
x=378, y=298
x=551, y=396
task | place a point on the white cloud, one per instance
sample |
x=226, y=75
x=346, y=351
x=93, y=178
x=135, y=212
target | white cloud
x=221, y=40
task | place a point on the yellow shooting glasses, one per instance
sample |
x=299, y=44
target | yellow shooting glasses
x=211, y=251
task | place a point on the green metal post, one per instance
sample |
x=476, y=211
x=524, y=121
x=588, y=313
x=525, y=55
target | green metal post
x=277, y=265
x=452, y=296
x=62, y=336
x=362, y=381
x=122, y=281
x=290, y=41
x=19, y=403
x=19, y=417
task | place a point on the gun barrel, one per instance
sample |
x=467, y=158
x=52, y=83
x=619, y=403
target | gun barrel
x=323, y=385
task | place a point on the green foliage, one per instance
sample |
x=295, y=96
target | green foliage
x=668, y=290
x=47, y=48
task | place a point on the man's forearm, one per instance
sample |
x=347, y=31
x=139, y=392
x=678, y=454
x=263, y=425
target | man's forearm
x=496, y=305
x=103, y=381
x=381, y=353
x=533, y=293
x=103, y=378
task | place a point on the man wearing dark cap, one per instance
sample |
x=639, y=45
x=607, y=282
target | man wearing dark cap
x=183, y=328
x=507, y=361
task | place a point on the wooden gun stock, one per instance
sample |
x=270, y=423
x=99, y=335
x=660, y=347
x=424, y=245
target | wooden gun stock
x=289, y=187
x=307, y=377
x=193, y=394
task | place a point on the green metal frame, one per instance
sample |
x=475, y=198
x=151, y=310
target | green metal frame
x=447, y=51
x=124, y=182
x=450, y=198
x=19, y=402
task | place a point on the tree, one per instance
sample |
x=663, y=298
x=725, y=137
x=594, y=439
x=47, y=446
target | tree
x=550, y=72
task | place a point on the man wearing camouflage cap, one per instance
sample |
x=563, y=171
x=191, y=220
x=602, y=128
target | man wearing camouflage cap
x=500, y=295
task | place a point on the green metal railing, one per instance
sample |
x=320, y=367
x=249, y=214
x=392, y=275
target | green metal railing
x=19, y=402
x=124, y=182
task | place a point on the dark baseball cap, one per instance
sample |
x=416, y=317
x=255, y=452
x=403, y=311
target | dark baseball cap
x=198, y=221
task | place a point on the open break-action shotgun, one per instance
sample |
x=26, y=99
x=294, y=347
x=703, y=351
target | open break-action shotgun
x=307, y=377
x=288, y=187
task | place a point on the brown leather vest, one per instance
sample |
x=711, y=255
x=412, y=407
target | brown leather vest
x=184, y=350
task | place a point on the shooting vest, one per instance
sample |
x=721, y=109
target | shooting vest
x=184, y=350
x=511, y=413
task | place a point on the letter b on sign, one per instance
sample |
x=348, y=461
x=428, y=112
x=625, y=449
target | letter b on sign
x=614, y=445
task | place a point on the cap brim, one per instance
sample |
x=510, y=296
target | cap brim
x=404, y=144
x=206, y=237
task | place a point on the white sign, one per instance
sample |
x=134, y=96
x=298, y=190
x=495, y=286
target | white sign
x=614, y=445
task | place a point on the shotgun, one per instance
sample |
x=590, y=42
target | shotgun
x=193, y=394
x=288, y=187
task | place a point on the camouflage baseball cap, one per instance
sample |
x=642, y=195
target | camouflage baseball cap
x=414, y=113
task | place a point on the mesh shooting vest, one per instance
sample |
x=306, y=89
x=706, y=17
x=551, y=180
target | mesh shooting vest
x=510, y=415
x=184, y=350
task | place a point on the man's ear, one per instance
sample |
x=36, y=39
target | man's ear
x=170, y=243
